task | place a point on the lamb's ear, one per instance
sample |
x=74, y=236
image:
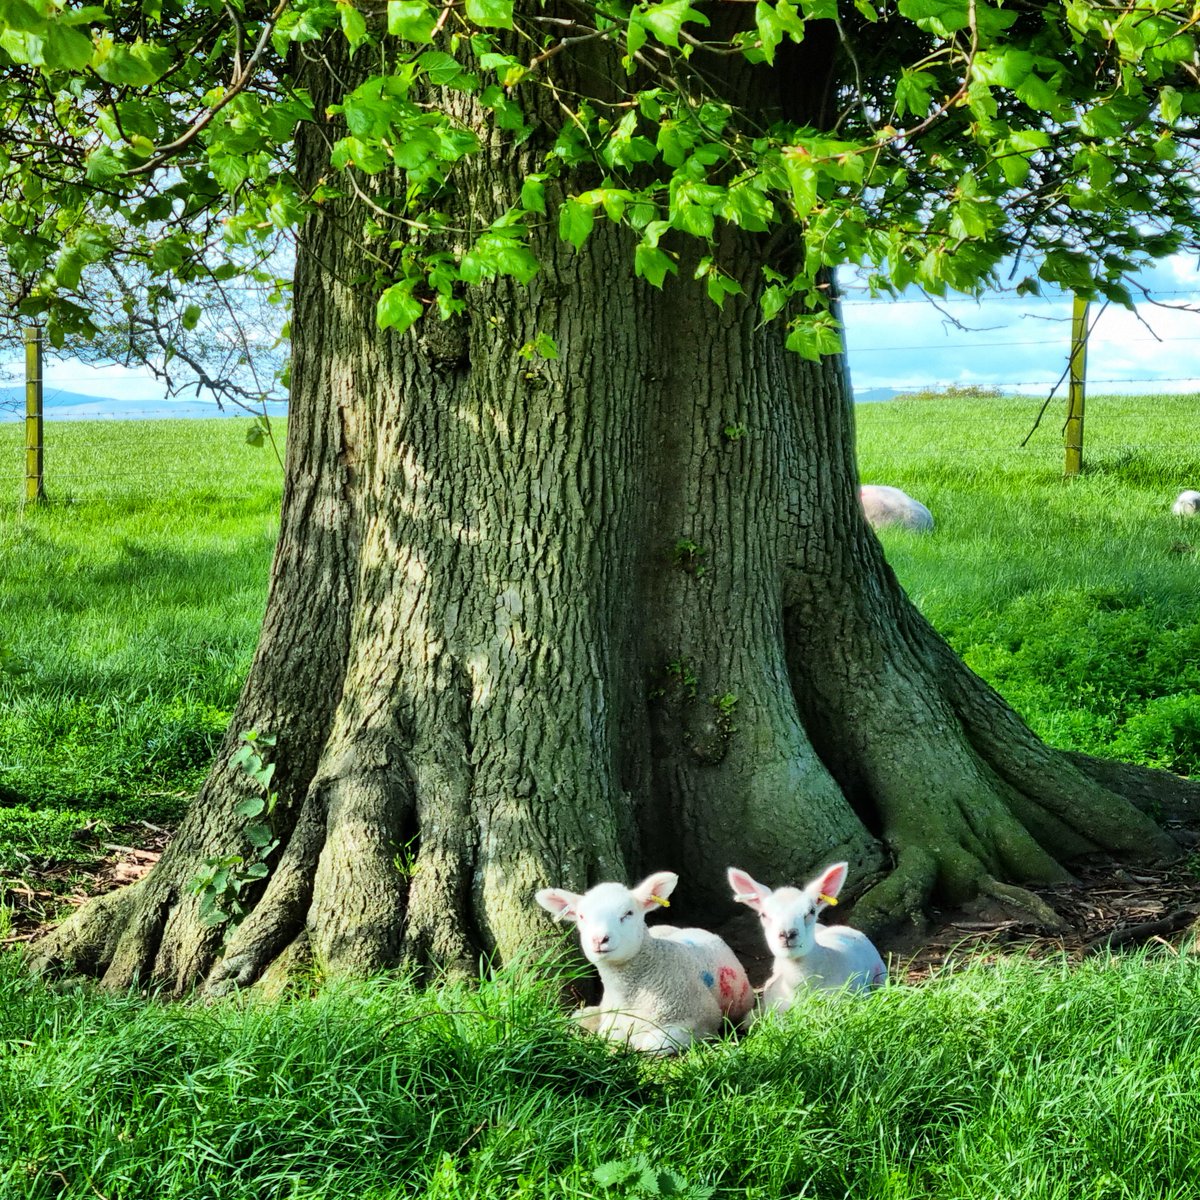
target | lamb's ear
x=558, y=902
x=654, y=889
x=746, y=890
x=824, y=889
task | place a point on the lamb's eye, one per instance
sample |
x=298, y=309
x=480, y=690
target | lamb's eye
x=628, y=914
x=762, y=916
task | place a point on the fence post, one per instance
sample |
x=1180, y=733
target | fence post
x=35, y=486
x=1073, y=430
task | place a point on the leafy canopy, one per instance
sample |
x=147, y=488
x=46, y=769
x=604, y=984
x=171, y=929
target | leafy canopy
x=954, y=136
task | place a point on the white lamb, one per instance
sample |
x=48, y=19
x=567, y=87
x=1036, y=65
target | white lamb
x=884, y=505
x=663, y=987
x=1187, y=503
x=808, y=954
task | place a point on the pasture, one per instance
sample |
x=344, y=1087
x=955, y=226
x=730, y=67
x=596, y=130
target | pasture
x=127, y=620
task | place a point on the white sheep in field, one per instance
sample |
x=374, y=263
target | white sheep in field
x=1187, y=503
x=808, y=954
x=664, y=987
x=884, y=506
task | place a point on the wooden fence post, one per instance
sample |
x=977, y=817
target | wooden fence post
x=35, y=485
x=1073, y=431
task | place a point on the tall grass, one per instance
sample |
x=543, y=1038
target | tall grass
x=1020, y=1079
x=129, y=608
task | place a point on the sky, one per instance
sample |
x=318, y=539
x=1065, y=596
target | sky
x=1016, y=344
x=1021, y=344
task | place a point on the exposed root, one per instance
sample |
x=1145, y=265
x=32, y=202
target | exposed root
x=1023, y=904
x=901, y=896
x=279, y=916
x=84, y=944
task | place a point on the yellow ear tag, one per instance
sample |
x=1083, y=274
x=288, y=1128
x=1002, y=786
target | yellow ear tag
x=661, y=900
x=827, y=899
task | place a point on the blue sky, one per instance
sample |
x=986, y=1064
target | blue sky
x=1016, y=344
x=1021, y=344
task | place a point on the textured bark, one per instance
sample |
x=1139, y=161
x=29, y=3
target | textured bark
x=558, y=621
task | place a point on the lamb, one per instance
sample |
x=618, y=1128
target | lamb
x=807, y=954
x=1187, y=503
x=885, y=506
x=664, y=987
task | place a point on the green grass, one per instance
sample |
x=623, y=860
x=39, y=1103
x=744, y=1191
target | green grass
x=128, y=612
x=129, y=609
x=1021, y=1079
x=1077, y=600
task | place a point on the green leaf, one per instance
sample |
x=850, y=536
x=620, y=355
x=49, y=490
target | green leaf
x=191, y=316
x=397, y=308
x=913, y=92
x=772, y=302
x=138, y=65
x=1172, y=104
x=259, y=836
x=575, y=222
x=942, y=17
x=820, y=10
x=665, y=21
x=491, y=14
x=653, y=265
x=1005, y=66
x=1038, y=94
x=719, y=285
x=413, y=20
x=814, y=336
x=252, y=806
x=533, y=194
x=66, y=49
x=802, y=179
x=496, y=254
x=354, y=24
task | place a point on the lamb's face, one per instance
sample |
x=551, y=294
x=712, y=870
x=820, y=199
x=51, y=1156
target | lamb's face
x=789, y=921
x=611, y=923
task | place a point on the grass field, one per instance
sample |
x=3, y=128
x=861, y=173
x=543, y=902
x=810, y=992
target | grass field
x=129, y=609
x=1079, y=600
x=129, y=605
x=128, y=612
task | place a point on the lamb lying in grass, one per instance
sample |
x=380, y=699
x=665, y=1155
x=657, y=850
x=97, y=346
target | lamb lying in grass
x=663, y=987
x=884, y=505
x=808, y=954
x=1187, y=503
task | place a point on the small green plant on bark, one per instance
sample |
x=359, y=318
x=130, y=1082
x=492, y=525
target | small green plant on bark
x=725, y=705
x=687, y=556
x=405, y=859
x=677, y=675
x=220, y=885
x=734, y=432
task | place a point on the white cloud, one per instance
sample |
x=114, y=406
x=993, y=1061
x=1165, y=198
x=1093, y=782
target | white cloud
x=1022, y=343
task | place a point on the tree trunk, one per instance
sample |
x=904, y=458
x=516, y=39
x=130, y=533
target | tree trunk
x=553, y=621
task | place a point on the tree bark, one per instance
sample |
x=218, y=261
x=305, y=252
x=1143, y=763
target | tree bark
x=553, y=621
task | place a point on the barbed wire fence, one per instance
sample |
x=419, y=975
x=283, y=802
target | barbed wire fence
x=910, y=345
x=68, y=446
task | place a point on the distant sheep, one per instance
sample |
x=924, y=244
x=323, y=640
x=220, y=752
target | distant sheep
x=664, y=987
x=1187, y=504
x=808, y=954
x=885, y=506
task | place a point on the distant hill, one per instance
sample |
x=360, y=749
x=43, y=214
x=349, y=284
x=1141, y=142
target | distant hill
x=868, y=395
x=72, y=406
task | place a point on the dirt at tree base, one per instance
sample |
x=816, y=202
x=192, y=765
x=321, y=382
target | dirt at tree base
x=1106, y=904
